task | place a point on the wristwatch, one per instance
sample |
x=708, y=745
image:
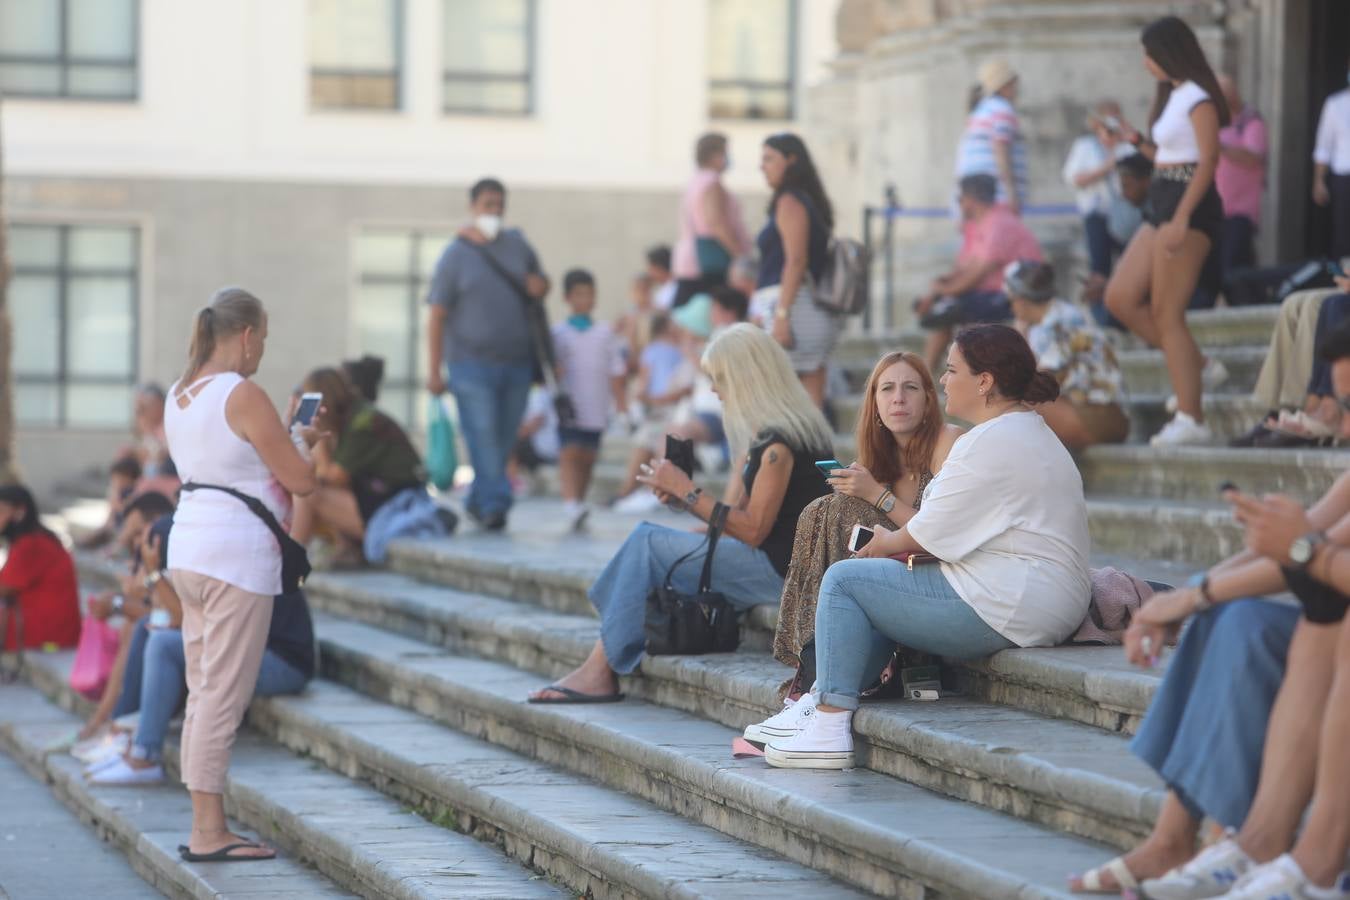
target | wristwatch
x=153, y=579
x=886, y=503
x=1302, y=549
x=782, y=312
x=692, y=497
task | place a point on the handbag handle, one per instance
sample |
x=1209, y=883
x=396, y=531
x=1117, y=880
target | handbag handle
x=716, y=523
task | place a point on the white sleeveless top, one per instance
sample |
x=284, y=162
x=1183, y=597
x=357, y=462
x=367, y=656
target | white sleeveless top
x=1173, y=132
x=215, y=534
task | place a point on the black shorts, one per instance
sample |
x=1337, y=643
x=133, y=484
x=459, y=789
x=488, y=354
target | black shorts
x=1165, y=196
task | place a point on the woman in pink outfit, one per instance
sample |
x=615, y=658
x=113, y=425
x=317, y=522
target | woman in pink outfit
x=712, y=230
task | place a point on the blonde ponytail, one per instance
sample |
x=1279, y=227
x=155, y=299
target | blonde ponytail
x=230, y=311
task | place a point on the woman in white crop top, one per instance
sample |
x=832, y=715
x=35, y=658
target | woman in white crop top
x=1152, y=286
x=223, y=562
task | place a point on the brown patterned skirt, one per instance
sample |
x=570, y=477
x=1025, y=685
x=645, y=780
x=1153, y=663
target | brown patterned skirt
x=822, y=540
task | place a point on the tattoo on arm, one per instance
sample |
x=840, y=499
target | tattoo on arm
x=773, y=457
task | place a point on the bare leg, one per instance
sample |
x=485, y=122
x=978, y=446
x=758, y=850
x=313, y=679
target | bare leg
x=594, y=676
x=1322, y=846
x=814, y=382
x=630, y=482
x=1289, y=759
x=1174, y=279
x=935, y=349
x=1168, y=845
x=210, y=831
x=1127, y=293
x=575, y=464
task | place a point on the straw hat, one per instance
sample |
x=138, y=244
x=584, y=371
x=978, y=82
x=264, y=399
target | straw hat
x=995, y=75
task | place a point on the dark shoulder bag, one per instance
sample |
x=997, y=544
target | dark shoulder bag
x=294, y=557
x=545, y=359
x=693, y=624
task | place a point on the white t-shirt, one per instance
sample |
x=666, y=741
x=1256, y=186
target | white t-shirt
x=1333, y=134
x=590, y=360
x=1173, y=132
x=1007, y=518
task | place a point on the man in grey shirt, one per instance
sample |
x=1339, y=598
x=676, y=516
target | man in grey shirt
x=479, y=327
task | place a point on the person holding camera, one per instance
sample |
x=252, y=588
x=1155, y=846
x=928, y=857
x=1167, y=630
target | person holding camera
x=1091, y=171
x=225, y=562
x=779, y=434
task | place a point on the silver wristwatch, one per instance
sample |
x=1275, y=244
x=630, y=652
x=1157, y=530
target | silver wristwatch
x=692, y=497
x=1302, y=549
x=887, y=504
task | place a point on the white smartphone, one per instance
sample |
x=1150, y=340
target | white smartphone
x=309, y=405
x=859, y=538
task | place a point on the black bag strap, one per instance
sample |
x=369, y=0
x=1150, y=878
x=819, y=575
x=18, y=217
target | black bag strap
x=716, y=522
x=255, y=505
x=534, y=312
x=496, y=265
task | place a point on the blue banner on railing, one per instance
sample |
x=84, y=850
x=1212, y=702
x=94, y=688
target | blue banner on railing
x=946, y=212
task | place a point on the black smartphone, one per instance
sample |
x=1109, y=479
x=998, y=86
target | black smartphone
x=858, y=540
x=681, y=453
x=826, y=466
x=309, y=405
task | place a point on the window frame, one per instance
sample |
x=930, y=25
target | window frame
x=400, y=21
x=63, y=62
x=793, y=76
x=62, y=272
x=449, y=76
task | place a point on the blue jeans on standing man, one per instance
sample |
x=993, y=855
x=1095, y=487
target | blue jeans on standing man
x=867, y=606
x=1206, y=728
x=740, y=573
x=164, y=684
x=491, y=398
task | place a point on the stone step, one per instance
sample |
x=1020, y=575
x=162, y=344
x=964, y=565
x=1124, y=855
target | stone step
x=146, y=823
x=385, y=851
x=993, y=756
x=597, y=840
x=46, y=851
x=869, y=829
x=1195, y=473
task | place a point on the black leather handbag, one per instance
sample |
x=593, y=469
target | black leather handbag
x=294, y=557
x=693, y=624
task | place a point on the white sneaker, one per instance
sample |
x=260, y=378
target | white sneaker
x=109, y=754
x=1282, y=879
x=824, y=740
x=92, y=748
x=575, y=512
x=783, y=724
x=1180, y=431
x=1211, y=873
x=639, y=502
x=121, y=773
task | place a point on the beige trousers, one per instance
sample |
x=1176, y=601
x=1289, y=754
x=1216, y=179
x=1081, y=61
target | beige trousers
x=1283, y=381
x=224, y=636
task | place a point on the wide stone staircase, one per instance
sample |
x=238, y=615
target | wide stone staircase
x=413, y=768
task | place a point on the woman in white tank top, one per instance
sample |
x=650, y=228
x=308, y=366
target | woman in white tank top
x=223, y=561
x=1153, y=283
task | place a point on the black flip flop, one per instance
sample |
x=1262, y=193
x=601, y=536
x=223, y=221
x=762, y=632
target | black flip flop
x=223, y=854
x=571, y=696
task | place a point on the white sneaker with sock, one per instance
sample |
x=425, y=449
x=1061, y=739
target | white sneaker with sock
x=639, y=502
x=1182, y=430
x=120, y=772
x=92, y=748
x=1282, y=879
x=1211, y=873
x=783, y=724
x=824, y=740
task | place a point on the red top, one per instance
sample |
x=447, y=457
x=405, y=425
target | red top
x=42, y=573
x=999, y=237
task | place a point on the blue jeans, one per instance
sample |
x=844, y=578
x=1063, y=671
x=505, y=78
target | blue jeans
x=164, y=685
x=1206, y=726
x=130, y=699
x=867, y=606
x=491, y=399
x=1335, y=310
x=1100, y=247
x=741, y=573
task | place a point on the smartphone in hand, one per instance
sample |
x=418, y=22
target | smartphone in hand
x=826, y=466
x=309, y=406
x=859, y=538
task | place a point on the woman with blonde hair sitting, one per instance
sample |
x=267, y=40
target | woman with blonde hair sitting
x=902, y=442
x=777, y=433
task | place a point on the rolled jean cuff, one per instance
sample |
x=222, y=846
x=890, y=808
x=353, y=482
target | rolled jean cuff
x=843, y=701
x=146, y=754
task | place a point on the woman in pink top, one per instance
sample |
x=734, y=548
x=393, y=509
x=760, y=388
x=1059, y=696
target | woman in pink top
x=707, y=211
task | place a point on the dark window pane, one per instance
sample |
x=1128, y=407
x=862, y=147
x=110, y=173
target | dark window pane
x=113, y=82
x=487, y=96
x=34, y=246
x=99, y=327
x=101, y=29
x=35, y=309
x=30, y=28
x=36, y=404
x=102, y=248
x=37, y=79
x=750, y=58
x=98, y=405
x=489, y=36
x=354, y=53
x=746, y=102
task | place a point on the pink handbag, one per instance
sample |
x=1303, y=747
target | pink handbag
x=94, y=657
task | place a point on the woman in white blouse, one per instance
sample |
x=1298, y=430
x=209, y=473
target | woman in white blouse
x=1154, y=281
x=1007, y=523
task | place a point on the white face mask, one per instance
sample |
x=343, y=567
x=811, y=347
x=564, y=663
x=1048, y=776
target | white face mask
x=489, y=225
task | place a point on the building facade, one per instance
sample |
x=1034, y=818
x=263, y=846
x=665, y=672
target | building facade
x=319, y=153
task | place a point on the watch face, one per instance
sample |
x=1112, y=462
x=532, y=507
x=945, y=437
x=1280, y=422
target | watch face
x=1300, y=551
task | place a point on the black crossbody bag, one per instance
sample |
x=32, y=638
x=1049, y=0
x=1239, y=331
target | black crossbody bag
x=294, y=557
x=545, y=359
x=693, y=624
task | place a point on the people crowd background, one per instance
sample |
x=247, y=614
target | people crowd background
x=964, y=474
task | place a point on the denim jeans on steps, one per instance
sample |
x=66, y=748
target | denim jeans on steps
x=163, y=686
x=867, y=606
x=491, y=399
x=741, y=573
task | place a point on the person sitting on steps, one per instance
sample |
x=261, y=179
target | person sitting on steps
x=1007, y=523
x=778, y=433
